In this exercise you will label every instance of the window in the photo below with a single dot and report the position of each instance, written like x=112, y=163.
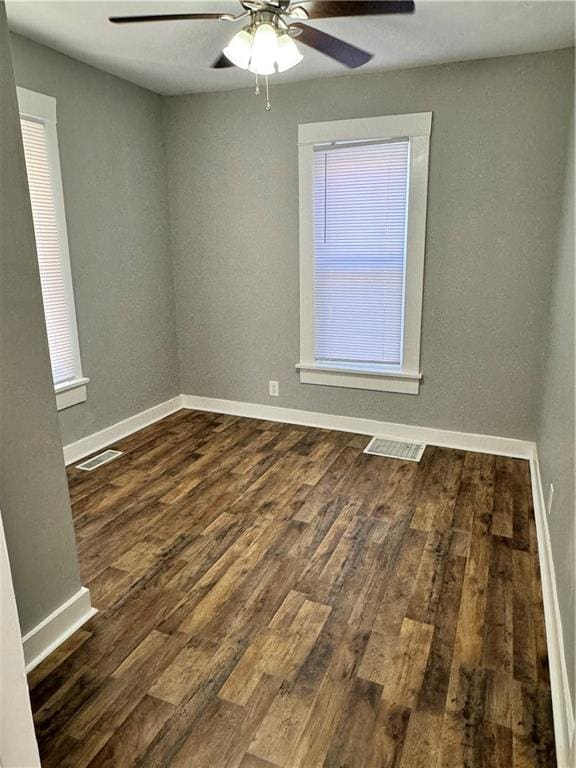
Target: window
x=38, y=124
x=363, y=188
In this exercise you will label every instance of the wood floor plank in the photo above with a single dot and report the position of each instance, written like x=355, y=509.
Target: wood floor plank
x=470, y=629
x=178, y=680
x=497, y=745
x=434, y=689
x=428, y=583
x=129, y=742
x=463, y=731
x=403, y=684
x=498, y=706
x=525, y=665
x=57, y=657
x=439, y=491
x=422, y=742
x=389, y=583
x=314, y=743
x=352, y=742
x=277, y=736
x=503, y=514
x=498, y=634
x=522, y=506
x=278, y=651
x=250, y=761
x=532, y=727
x=388, y=736
x=271, y=597
x=228, y=747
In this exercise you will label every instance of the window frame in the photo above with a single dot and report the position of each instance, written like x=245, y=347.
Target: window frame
x=406, y=377
x=42, y=108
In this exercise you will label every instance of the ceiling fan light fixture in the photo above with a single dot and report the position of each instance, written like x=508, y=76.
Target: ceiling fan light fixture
x=262, y=68
x=239, y=49
x=264, y=50
x=288, y=54
x=299, y=12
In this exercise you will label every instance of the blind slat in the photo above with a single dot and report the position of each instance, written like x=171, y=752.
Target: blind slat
x=360, y=211
x=49, y=250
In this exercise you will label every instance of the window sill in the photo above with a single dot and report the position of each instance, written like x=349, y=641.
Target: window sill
x=380, y=381
x=70, y=393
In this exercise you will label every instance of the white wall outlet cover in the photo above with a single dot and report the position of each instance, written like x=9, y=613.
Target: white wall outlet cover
x=273, y=388
x=550, y=498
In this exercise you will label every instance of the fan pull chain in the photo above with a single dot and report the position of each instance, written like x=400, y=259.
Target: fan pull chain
x=268, y=105
x=257, y=89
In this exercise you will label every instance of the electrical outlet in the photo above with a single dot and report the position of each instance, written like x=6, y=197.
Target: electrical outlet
x=550, y=498
x=273, y=388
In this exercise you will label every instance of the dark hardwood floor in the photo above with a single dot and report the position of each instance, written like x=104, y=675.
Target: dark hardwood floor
x=271, y=596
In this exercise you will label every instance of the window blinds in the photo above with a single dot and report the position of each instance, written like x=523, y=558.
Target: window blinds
x=360, y=212
x=49, y=250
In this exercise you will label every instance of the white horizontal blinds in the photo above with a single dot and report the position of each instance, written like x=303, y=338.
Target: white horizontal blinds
x=360, y=210
x=48, y=247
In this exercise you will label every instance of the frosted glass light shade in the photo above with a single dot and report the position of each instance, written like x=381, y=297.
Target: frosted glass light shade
x=264, y=50
x=288, y=54
x=239, y=49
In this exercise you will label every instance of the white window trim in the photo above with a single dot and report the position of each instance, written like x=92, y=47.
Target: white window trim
x=40, y=107
x=416, y=127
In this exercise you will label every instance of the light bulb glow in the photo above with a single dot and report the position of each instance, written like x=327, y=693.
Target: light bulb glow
x=288, y=54
x=239, y=49
x=264, y=50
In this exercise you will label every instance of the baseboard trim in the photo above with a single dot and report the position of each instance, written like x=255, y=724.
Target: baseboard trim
x=501, y=446
x=561, y=698
x=57, y=627
x=81, y=448
x=466, y=441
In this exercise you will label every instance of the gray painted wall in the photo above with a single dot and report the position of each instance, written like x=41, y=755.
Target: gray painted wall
x=496, y=163
x=33, y=492
x=556, y=428
x=114, y=177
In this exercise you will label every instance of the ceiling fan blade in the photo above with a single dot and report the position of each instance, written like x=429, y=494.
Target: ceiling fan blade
x=332, y=8
x=331, y=46
x=165, y=17
x=222, y=62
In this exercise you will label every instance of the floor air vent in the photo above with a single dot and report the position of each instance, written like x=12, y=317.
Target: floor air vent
x=97, y=461
x=393, y=449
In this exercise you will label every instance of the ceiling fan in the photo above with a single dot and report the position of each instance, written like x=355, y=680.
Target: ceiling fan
x=266, y=44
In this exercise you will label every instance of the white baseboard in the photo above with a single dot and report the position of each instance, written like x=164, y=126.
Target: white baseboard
x=75, y=451
x=561, y=698
x=502, y=446
x=57, y=627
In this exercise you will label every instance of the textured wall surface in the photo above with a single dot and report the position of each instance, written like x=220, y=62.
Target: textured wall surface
x=496, y=163
x=556, y=427
x=34, y=499
x=114, y=178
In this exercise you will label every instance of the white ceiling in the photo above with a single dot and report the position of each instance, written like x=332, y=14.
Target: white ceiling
x=175, y=57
